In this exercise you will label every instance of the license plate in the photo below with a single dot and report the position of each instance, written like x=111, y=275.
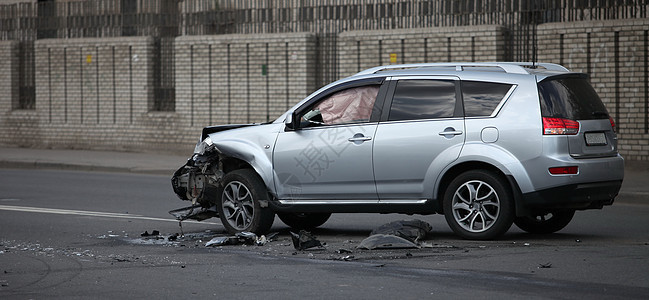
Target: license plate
x=595, y=139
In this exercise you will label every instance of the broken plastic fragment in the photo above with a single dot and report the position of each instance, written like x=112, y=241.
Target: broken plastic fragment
x=153, y=233
x=222, y=240
x=305, y=240
x=173, y=237
x=386, y=241
x=412, y=230
x=545, y=266
x=194, y=212
x=260, y=241
x=247, y=238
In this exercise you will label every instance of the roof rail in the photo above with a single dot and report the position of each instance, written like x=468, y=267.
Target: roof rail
x=536, y=65
x=508, y=67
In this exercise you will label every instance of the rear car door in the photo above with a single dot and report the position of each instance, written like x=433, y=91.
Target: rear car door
x=420, y=133
x=329, y=157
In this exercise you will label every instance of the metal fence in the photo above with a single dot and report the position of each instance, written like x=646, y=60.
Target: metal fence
x=166, y=19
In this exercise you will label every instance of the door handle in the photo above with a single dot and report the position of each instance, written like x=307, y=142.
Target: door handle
x=450, y=131
x=360, y=139
x=457, y=132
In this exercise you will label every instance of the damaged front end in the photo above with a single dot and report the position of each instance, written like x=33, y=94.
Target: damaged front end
x=197, y=181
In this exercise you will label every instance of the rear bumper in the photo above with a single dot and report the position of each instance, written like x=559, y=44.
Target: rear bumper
x=580, y=196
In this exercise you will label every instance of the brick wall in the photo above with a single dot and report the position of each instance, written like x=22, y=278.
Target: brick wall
x=359, y=50
x=90, y=94
x=614, y=53
x=241, y=78
x=8, y=75
x=16, y=126
x=98, y=93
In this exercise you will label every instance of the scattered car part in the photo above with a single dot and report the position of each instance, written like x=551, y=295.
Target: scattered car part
x=412, y=230
x=241, y=238
x=194, y=212
x=304, y=240
x=386, y=241
x=153, y=233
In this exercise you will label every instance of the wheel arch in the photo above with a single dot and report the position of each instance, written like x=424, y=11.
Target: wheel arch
x=462, y=167
x=240, y=154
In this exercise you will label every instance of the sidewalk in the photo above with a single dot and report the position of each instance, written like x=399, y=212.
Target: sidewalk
x=635, y=189
x=86, y=160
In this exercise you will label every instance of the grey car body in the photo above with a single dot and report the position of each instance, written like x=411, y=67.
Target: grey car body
x=486, y=144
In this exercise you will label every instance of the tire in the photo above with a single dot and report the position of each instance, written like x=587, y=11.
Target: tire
x=478, y=205
x=238, y=203
x=546, y=223
x=304, y=220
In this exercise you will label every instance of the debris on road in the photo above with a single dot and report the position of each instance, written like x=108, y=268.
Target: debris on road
x=402, y=234
x=386, y=241
x=305, y=240
x=153, y=233
x=194, y=212
x=241, y=238
x=412, y=230
x=347, y=258
x=221, y=240
x=545, y=266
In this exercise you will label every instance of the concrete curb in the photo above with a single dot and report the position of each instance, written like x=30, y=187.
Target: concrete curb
x=72, y=167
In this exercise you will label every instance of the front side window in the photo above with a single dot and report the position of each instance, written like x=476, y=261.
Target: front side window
x=423, y=99
x=353, y=105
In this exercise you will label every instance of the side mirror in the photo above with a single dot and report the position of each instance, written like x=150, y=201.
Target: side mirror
x=292, y=122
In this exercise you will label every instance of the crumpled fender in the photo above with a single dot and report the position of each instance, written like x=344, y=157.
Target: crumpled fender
x=253, y=144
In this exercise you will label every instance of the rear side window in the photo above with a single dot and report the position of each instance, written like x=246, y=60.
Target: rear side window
x=423, y=99
x=570, y=98
x=482, y=98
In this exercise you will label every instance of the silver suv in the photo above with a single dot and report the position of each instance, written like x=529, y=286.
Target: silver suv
x=485, y=144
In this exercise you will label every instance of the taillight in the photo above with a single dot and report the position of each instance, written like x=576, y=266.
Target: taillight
x=560, y=126
x=564, y=170
x=612, y=123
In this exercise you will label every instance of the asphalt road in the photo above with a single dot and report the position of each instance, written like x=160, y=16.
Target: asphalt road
x=66, y=234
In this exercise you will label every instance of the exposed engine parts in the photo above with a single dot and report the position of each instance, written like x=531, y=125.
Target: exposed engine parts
x=200, y=173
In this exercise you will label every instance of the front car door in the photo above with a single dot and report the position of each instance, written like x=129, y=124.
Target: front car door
x=329, y=156
x=420, y=133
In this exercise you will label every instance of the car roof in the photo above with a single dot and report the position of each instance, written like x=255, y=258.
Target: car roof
x=464, y=70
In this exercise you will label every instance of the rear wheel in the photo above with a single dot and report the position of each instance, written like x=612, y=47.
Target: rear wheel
x=478, y=205
x=304, y=220
x=545, y=223
x=239, y=206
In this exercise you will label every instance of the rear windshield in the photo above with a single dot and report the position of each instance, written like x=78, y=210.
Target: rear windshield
x=570, y=98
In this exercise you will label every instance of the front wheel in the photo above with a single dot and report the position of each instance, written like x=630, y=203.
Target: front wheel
x=238, y=203
x=478, y=205
x=545, y=223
